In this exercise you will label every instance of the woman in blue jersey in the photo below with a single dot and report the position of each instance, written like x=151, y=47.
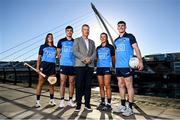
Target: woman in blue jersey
x=46, y=63
x=105, y=58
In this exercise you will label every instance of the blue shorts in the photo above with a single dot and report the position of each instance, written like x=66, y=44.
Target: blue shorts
x=103, y=71
x=124, y=72
x=67, y=70
x=48, y=68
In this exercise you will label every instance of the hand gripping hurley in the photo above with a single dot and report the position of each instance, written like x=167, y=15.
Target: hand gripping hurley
x=51, y=80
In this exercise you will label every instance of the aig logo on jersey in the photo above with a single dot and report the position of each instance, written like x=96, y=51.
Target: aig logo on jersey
x=121, y=44
x=50, y=52
x=120, y=47
x=67, y=49
x=103, y=53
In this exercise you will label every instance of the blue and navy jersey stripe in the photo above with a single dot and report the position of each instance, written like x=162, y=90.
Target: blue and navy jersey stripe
x=124, y=50
x=48, y=53
x=67, y=57
x=104, y=55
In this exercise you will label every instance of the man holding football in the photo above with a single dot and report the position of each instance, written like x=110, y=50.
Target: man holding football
x=125, y=45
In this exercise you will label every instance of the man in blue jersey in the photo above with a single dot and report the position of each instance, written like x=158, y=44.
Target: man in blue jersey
x=125, y=45
x=67, y=60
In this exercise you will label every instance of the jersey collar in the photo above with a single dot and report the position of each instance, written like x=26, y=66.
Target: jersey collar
x=69, y=40
x=104, y=46
x=124, y=35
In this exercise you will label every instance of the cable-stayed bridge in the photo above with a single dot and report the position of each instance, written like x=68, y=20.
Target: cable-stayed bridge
x=28, y=49
x=17, y=101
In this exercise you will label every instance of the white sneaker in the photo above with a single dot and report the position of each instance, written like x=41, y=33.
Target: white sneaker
x=37, y=105
x=120, y=109
x=77, y=109
x=71, y=103
x=128, y=112
x=88, y=108
x=62, y=105
x=51, y=102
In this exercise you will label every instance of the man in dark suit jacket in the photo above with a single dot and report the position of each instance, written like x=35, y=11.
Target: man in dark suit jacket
x=85, y=54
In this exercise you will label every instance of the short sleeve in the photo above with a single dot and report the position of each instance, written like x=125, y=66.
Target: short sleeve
x=132, y=39
x=54, y=46
x=41, y=50
x=112, y=51
x=59, y=45
x=115, y=42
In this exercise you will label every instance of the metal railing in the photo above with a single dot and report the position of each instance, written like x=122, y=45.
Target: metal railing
x=18, y=75
x=165, y=85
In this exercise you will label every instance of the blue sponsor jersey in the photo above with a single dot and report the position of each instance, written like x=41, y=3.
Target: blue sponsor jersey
x=124, y=50
x=48, y=53
x=67, y=57
x=104, y=55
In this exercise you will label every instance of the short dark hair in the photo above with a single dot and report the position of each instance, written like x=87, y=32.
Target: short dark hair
x=85, y=25
x=69, y=27
x=122, y=22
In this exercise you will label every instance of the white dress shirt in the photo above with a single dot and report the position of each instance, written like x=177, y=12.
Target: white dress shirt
x=87, y=44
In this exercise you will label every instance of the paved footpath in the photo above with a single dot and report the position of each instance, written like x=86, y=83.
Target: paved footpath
x=17, y=102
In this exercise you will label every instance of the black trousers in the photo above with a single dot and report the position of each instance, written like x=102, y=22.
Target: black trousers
x=83, y=84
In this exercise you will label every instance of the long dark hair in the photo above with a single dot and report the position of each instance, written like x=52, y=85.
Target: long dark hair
x=46, y=40
x=107, y=42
